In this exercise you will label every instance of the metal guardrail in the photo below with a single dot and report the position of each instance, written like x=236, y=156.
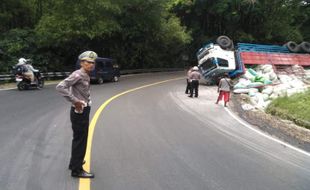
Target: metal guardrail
x=60, y=75
x=50, y=75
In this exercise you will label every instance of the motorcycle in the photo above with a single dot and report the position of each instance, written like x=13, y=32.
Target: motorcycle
x=24, y=83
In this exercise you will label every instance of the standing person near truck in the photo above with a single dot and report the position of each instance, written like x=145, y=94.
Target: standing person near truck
x=76, y=89
x=224, y=87
x=194, y=78
x=188, y=84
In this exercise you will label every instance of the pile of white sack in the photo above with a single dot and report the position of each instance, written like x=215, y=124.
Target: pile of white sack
x=262, y=85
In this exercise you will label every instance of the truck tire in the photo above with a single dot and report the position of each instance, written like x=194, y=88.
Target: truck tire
x=232, y=47
x=305, y=47
x=292, y=46
x=224, y=42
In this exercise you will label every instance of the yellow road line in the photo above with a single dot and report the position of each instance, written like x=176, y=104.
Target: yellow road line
x=85, y=183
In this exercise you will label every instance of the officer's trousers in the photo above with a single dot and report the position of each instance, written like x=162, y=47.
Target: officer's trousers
x=188, y=86
x=80, y=124
x=194, y=87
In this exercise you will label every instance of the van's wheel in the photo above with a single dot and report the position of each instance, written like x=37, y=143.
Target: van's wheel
x=115, y=79
x=100, y=80
x=224, y=42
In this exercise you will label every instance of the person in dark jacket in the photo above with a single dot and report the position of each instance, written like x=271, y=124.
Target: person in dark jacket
x=76, y=89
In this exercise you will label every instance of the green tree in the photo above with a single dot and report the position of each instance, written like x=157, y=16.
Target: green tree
x=15, y=14
x=15, y=44
x=127, y=30
x=150, y=36
x=141, y=33
x=304, y=20
x=260, y=21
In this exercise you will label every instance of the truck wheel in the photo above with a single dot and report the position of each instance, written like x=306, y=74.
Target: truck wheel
x=292, y=46
x=232, y=47
x=100, y=80
x=305, y=47
x=224, y=42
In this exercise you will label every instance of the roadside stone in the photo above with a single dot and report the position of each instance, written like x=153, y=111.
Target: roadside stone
x=247, y=107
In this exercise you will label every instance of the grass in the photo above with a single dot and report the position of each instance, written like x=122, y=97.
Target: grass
x=295, y=108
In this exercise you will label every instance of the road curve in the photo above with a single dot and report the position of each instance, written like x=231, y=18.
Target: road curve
x=152, y=138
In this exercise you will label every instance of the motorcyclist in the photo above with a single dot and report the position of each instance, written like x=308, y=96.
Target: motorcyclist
x=35, y=72
x=29, y=71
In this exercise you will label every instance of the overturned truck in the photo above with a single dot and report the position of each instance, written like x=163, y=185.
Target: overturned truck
x=215, y=59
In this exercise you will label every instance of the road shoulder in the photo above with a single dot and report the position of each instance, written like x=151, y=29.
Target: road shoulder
x=274, y=126
x=12, y=85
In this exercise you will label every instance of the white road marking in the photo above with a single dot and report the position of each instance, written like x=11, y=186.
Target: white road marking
x=265, y=135
x=7, y=89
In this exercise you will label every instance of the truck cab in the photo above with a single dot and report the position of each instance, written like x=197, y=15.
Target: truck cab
x=213, y=61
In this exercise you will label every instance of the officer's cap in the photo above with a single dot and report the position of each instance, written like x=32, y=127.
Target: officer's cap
x=89, y=56
x=195, y=68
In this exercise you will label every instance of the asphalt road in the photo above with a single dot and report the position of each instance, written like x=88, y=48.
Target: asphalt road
x=155, y=138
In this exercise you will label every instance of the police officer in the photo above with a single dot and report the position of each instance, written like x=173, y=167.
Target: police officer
x=194, y=78
x=188, y=84
x=76, y=89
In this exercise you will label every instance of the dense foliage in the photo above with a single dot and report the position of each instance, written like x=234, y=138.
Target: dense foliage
x=140, y=33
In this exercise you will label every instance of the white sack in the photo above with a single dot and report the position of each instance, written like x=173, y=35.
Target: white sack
x=267, y=68
x=241, y=91
x=268, y=90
